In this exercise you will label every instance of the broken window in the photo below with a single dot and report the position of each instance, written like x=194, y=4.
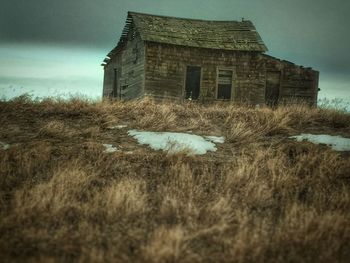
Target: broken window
x=224, y=84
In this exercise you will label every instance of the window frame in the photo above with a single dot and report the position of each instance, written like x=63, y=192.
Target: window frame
x=218, y=69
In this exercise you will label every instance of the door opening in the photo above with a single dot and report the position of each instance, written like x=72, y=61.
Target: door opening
x=272, y=92
x=193, y=82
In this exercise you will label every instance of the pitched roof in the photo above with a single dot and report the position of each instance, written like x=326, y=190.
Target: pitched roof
x=223, y=35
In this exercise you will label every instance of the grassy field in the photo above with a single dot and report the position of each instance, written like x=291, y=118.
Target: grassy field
x=260, y=197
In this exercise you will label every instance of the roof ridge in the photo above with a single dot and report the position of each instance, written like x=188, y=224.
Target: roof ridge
x=210, y=34
x=181, y=18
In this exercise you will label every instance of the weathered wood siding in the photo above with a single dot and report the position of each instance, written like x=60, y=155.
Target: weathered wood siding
x=160, y=70
x=165, y=74
x=109, y=86
x=129, y=64
x=297, y=83
x=166, y=67
x=133, y=61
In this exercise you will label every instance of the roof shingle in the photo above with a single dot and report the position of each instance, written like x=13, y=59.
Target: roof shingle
x=222, y=35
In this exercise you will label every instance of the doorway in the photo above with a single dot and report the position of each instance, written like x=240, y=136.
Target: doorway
x=193, y=82
x=272, y=92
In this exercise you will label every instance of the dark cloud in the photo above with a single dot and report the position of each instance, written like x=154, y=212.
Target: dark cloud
x=308, y=32
x=82, y=22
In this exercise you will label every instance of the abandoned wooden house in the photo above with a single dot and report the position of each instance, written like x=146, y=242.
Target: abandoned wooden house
x=177, y=58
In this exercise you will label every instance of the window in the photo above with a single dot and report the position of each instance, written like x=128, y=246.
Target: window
x=115, y=83
x=224, y=84
x=136, y=53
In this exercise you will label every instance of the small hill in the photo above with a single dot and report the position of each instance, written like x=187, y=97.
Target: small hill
x=74, y=186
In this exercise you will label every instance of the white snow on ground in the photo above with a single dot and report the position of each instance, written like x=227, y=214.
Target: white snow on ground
x=4, y=146
x=120, y=126
x=109, y=148
x=174, y=142
x=337, y=143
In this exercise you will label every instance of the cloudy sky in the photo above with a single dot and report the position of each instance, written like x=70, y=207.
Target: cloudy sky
x=56, y=47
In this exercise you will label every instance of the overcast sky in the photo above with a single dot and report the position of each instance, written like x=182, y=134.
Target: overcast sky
x=61, y=41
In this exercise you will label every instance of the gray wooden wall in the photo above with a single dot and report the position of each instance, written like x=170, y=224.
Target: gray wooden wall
x=297, y=82
x=146, y=68
x=129, y=64
x=166, y=68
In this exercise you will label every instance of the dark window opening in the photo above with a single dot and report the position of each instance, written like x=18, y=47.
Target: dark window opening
x=136, y=53
x=193, y=82
x=224, y=85
x=115, y=84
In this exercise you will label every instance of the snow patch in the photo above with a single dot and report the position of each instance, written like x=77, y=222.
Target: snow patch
x=337, y=143
x=174, y=142
x=4, y=146
x=109, y=148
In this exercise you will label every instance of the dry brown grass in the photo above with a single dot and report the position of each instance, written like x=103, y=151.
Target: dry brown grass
x=259, y=198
